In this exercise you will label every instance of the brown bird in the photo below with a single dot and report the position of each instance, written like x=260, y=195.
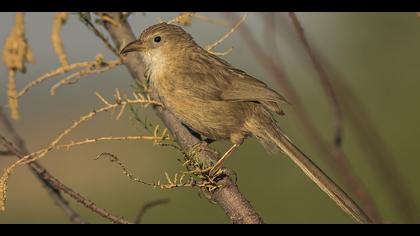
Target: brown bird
x=218, y=101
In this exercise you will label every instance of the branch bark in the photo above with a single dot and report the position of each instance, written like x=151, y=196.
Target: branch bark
x=229, y=198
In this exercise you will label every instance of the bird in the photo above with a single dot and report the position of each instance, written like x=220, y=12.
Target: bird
x=220, y=102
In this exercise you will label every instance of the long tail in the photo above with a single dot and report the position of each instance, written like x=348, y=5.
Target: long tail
x=273, y=135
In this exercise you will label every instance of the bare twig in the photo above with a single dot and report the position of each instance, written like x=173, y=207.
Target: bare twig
x=56, y=184
x=225, y=36
x=185, y=18
x=38, y=170
x=86, y=21
x=98, y=65
x=41, y=153
x=60, y=18
x=368, y=136
x=147, y=206
x=112, y=138
x=236, y=206
x=379, y=155
x=335, y=157
x=323, y=78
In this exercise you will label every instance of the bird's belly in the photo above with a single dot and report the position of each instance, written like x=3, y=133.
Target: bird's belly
x=213, y=119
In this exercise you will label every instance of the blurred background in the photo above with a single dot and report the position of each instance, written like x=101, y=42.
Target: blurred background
x=375, y=54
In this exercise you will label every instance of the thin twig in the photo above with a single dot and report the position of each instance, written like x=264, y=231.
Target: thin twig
x=75, y=195
x=183, y=18
x=225, y=36
x=89, y=67
x=368, y=136
x=335, y=157
x=99, y=66
x=147, y=206
x=323, y=78
x=38, y=170
x=112, y=138
x=379, y=155
x=98, y=33
x=213, y=21
x=179, y=179
x=41, y=153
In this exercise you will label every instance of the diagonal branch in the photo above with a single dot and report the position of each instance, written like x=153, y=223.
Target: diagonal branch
x=56, y=184
x=323, y=78
x=335, y=156
x=147, y=206
x=235, y=205
x=39, y=171
x=368, y=137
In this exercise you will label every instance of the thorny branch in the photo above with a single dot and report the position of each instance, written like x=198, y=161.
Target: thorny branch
x=37, y=169
x=56, y=184
x=41, y=153
x=99, y=65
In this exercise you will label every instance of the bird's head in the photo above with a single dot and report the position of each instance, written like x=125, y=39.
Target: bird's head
x=158, y=41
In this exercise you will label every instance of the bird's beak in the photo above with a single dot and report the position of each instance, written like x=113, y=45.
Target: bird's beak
x=134, y=46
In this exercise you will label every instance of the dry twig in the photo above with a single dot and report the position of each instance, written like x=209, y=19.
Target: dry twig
x=60, y=18
x=335, y=157
x=96, y=66
x=41, y=153
x=147, y=206
x=225, y=36
x=323, y=78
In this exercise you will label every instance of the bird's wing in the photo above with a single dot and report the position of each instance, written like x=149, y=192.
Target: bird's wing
x=226, y=83
x=247, y=88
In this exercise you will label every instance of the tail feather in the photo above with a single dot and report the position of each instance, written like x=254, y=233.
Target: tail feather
x=272, y=137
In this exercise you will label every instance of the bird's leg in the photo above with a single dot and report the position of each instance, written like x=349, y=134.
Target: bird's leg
x=225, y=156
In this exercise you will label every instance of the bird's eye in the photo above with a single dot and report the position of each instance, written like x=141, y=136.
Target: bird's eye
x=157, y=39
